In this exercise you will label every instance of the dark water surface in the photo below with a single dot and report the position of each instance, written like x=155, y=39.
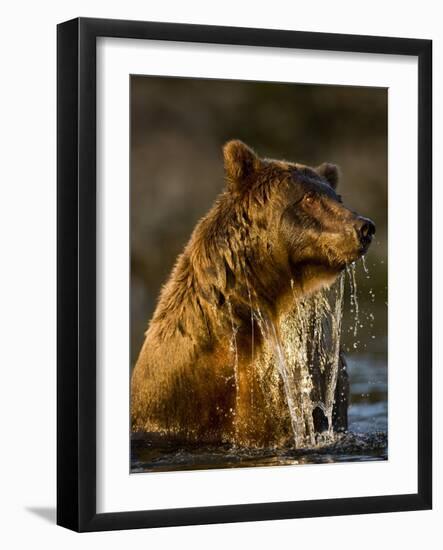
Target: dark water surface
x=366, y=439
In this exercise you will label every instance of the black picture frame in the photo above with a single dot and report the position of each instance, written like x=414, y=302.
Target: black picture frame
x=76, y=267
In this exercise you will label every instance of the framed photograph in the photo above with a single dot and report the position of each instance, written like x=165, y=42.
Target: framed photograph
x=244, y=274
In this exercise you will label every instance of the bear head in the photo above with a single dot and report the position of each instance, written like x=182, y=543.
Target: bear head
x=310, y=233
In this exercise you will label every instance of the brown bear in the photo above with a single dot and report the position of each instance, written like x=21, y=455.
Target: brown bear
x=276, y=234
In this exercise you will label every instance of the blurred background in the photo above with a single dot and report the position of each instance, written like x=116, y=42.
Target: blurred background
x=178, y=127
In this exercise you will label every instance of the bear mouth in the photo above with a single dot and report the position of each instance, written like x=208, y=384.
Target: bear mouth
x=364, y=247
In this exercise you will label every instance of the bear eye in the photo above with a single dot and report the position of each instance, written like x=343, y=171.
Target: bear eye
x=309, y=198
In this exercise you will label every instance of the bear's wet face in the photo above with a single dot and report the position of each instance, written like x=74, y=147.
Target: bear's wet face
x=317, y=226
x=308, y=225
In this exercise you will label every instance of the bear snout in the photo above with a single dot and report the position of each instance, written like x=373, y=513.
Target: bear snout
x=365, y=230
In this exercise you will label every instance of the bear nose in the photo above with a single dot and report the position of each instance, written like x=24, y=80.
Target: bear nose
x=365, y=228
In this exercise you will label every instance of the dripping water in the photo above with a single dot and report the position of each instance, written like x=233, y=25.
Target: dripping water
x=234, y=350
x=311, y=342
x=277, y=358
x=288, y=388
x=336, y=321
x=365, y=267
x=353, y=297
x=304, y=347
x=251, y=313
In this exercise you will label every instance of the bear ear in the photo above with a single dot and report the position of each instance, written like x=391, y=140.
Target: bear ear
x=240, y=162
x=330, y=172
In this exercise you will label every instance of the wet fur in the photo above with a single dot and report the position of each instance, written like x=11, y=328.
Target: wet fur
x=240, y=258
